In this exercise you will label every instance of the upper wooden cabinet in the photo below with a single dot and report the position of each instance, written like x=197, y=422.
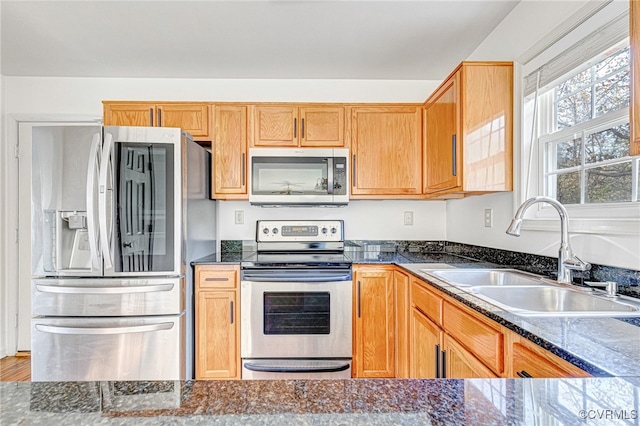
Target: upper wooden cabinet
x=294, y=125
x=386, y=150
x=192, y=117
x=634, y=33
x=229, y=149
x=468, y=132
x=374, y=322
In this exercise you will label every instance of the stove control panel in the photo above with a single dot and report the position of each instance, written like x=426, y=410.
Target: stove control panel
x=299, y=230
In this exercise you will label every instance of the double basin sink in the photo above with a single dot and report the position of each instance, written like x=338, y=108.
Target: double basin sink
x=531, y=295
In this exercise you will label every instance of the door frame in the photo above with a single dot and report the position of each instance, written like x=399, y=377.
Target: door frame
x=10, y=232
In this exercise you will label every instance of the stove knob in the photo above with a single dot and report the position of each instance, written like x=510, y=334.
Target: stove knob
x=324, y=230
x=274, y=230
x=334, y=230
x=265, y=231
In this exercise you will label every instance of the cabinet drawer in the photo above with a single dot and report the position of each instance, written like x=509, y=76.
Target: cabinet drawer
x=483, y=341
x=534, y=363
x=221, y=278
x=428, y=303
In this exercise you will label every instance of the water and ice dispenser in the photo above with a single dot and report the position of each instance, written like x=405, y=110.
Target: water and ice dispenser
x=66, y=245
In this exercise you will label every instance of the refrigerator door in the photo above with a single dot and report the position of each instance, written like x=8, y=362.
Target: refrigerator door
x=103, y=297
x=140, y=201
x=78, y=349
x=64, y=180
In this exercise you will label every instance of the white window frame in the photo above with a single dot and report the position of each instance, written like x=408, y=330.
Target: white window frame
x=597, y=218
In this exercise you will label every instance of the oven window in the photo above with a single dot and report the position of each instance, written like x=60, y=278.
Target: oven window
x=296, y=313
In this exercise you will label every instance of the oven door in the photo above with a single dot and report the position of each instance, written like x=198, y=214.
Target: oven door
x=302, y=319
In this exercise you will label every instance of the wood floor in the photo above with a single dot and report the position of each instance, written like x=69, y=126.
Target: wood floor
x=15, y=369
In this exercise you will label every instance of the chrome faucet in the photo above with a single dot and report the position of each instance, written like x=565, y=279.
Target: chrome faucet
x=567, y=261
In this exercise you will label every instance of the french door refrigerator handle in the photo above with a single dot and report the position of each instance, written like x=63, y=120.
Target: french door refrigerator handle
x=104, y=330
x=104, y=290
x=92, y=171
x=102, y=201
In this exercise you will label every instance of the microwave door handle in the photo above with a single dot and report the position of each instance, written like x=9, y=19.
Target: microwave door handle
x=102, y=201
x=92, y=173
x=330, y=175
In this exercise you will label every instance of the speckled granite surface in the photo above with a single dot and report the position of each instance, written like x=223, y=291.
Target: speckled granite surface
x=324, y=402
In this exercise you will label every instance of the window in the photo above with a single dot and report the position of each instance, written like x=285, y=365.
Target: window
x=585, y=151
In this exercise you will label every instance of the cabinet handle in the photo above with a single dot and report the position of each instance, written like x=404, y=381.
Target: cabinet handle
x=437, y=361
x=159, y=117
x=231, y=310
x=302, y=128
x=295, y=127
x=444, y=365
x=523, y=374
x=353, y=173
x=151, y=116
x=358, y=299
x=454, y=155
x=243, y=167
x=216, y=279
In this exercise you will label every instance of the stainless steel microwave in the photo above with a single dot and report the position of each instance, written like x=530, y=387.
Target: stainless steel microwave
x=299, y=176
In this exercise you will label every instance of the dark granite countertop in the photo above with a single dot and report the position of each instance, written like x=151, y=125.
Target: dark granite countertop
x=322, y=402
x=601, y=346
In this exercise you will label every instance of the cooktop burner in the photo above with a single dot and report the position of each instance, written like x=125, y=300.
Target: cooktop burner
x=297, y=260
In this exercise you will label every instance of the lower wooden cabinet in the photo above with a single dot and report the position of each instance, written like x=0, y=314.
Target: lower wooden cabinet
x=402, y=323
x=529, y=360
x=217, y=328
x=459, y=363
x=426, y=344
x=374, y=322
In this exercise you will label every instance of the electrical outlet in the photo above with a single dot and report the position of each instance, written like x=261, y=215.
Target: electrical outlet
x=408, y=218
x=488, y=218
x=239, y=216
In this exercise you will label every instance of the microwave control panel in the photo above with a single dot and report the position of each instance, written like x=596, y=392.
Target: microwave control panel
x=340, y=175
x=300, y=230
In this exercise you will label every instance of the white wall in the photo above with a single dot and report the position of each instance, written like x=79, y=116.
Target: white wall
x=527, y=28
x=363, y=219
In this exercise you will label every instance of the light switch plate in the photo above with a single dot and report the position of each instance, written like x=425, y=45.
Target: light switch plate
x=239, y=217
x=408, y=218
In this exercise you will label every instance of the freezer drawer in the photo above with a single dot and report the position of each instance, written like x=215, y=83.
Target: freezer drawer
x=101, y=297
x=78, y=349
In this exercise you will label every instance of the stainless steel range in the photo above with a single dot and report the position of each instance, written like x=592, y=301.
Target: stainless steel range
x=296, y=300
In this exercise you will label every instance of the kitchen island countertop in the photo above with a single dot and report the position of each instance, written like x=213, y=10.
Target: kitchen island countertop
x=320, y=402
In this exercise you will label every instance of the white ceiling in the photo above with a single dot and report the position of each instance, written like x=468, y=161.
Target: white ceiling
x=398, y=40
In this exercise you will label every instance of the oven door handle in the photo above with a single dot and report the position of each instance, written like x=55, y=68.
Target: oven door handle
x=325, y=367
x=295, y=277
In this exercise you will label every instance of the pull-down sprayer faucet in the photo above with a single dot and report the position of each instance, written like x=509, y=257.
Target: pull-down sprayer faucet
x=567, y=261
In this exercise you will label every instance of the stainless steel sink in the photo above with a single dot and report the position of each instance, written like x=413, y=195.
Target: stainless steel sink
x=553, y=301
x=485, y=277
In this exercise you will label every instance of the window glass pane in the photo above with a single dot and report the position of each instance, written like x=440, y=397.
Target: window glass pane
x=607, y=144
x=612, y=94
x=575, y=83
x=574, y=109
x=612, y=63
x=568, y=188
x=609, y=184
x=568, y=153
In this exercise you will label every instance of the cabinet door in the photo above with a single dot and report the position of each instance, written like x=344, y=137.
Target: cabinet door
x=402, y=315
x=321, y=126
x=461, y=364
x=229, y=150
x=529, y=361
x=192, y=118
x=441, y=133
x=634, y=33
x=426, y=342
x=374, y=323
x=129, y=114
x=217, y=343
x=275, y=126
x=386, y=146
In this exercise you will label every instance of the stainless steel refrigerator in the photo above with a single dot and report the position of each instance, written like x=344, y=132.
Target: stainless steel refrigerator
x=117, y=215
